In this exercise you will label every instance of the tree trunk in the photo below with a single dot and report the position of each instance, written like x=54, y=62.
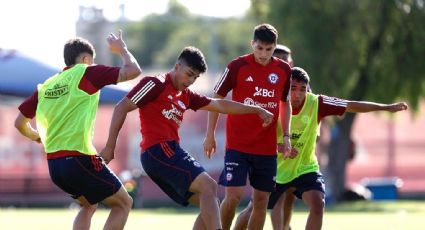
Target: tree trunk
x=341, y=135
x=338, y=155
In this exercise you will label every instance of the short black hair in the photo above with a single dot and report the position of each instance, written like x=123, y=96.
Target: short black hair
x=265, y=33
x=193, y=58
x=74, y=48
x=299, y=74
x=282, y=49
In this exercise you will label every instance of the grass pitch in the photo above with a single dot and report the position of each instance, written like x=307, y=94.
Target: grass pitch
x=406, y=215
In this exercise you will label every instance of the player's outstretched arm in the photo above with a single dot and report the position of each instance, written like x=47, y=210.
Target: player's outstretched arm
x=366, y=106
x=118, y=118
x=233, y=107
x=23, y=125
x=130, y=69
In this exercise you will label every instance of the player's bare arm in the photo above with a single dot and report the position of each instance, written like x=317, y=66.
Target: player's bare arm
x=130, y=68
x=233, y=107
x=285, y=116
x=209, y=141
x=366, y=106
x=24, y=126
x=118, y=117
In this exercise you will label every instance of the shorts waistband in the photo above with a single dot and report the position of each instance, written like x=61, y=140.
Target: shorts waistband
x=64, y=153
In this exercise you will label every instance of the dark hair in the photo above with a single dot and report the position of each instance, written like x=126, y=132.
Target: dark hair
x=282, y=49
x=193, y=58
x=299, y=74
x=74, y=48
x=265, y=33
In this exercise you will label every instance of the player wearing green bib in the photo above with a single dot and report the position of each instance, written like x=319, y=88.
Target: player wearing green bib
x=299, y=170
x=64, y=107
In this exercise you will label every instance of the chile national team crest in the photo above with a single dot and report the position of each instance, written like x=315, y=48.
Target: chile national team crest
x=181, y=104
x=273, y=78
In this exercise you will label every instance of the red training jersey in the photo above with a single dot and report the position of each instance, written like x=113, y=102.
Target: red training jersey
x=161, y=108
x=327, y=106
x=254, y=84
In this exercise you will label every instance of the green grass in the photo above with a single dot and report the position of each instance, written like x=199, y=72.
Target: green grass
x=404, y=215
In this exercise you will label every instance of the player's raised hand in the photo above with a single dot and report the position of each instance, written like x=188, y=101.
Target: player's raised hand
x=116, y=43
x=396, y=107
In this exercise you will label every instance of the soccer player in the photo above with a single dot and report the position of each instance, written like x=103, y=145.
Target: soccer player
x=258, y=79
x=282, y=213
x=162, y=101
x=283, y=52
x=64, y=107
x=301, y=168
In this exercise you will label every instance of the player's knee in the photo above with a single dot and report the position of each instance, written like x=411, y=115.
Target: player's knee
x=248, y=209
x=233, y=199
x=128, y=202
x=89, y=208
x=317, y=207
x=260, y=200
x=122, y=201
x=209, y=187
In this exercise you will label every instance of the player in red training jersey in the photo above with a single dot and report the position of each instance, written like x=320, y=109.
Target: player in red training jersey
x=254, y=79
x=301, y=171
x=162, y=101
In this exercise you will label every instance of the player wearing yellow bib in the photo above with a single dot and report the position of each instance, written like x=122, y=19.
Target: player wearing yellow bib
x=300, y=169
x=64, y=107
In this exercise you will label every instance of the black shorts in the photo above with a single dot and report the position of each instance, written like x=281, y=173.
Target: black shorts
x=172, y=169
x=238, y=165
x=303, y=183
x=86, y=176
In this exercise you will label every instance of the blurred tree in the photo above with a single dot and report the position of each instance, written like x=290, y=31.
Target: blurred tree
x=259, y=10
x=148, y=37
x=158, y=39
x=359, y=50
x=220, y=39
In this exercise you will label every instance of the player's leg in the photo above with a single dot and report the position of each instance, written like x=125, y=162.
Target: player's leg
x=233, y=177
x=83, y=219
x=205, y=194
x=184, y=180
x=94, y=182
x=282, y=212
x=120, y=204
x=243, y=218
x=259, y=209
x=315, y=200
x=199, y=223
x=276, y=214
x=275, y=203
x=262, y=176
x=311, y=187
x=102, y=185
x=288, y=206
x=232, y=198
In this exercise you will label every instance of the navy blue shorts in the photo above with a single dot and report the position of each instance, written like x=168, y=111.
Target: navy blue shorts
x=172, y=169
x=303, y=183
x=86, y=176
x=260, y=169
